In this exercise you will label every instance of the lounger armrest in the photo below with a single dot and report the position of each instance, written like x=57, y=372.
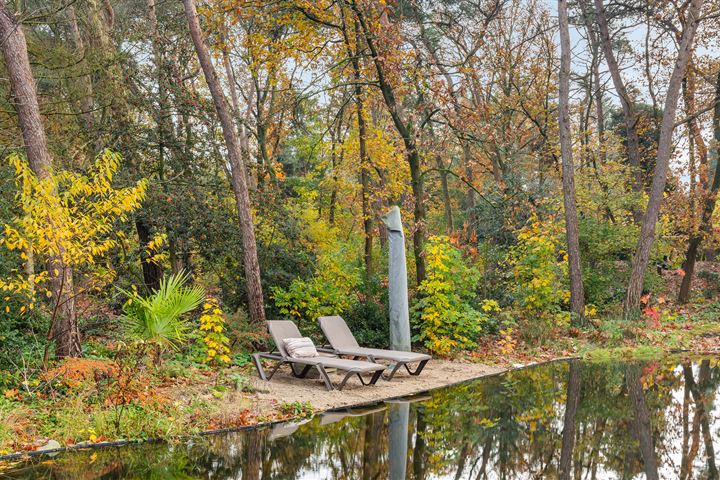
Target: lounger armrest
x=269, y=355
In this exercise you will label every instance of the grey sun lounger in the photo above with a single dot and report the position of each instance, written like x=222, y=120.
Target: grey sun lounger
x=282, y=329
x=343, y=342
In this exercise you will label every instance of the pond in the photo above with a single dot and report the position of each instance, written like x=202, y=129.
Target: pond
x=655, y=419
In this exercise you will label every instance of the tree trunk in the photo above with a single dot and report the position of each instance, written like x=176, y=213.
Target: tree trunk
x=699, y=391
x=237, y=168
x=641, y=258
x=335, y=139
x=86, y=102
x=372, y=448
x=407, y=132
x=568, y=433
x=471, y=194
x=641, y=420
x=708, y=207
x=577, y=294
x=152, y=272
x=418, y=189
x=633, y=141
x=684, y=465
x=418, y=455
x=64, y=328
x=465, y=147
x=253, y=446
x=235, y=99
x=364, y=160
x=164, y=127
x=447, y=202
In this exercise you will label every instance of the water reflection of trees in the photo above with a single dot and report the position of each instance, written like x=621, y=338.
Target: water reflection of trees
x=624, y=423
x=568, y=421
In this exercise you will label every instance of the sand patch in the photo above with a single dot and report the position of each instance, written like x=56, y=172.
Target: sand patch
x=438, y=373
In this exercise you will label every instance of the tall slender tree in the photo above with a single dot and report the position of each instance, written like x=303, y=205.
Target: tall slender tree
x=627, y=104
x=237, y=167
x=577, y=293
x=641, y=258
x=708, y=206
x=406, y=127
x=64, y=330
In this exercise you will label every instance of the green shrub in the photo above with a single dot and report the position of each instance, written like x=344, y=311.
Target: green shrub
x=538, y=275
x=369, y=323
x=444, y=313
x=606, y=250
x=328, y=292
x=712, y=283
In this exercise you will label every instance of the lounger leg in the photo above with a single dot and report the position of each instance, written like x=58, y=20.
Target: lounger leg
x=347, y=377
x=258, y=366
x=325, y=377
x=303, y=373
x=376, y=376
x=418, y=369
x=394, y=371
x=275, y=369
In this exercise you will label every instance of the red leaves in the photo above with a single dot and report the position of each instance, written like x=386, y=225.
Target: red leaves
x=652, y=316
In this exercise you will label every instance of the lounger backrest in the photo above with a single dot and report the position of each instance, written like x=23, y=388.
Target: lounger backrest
x=337, y=332
x=280, y=330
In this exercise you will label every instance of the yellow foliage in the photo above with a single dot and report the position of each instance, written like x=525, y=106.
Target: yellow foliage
x=68, y=216
x=212, y=325
x=154, y=249
x=445, y=314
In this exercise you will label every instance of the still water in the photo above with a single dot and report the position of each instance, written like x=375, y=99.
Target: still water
x=656, y=419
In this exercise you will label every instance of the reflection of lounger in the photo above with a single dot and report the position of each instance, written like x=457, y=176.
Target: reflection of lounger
x=285, y=429
x=282, y=329
x=335, y=416
x=343, y=342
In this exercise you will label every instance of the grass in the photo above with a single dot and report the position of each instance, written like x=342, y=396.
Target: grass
x=11, y=421
x=175, y=399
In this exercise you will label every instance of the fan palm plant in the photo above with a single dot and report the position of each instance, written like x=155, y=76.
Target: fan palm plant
x=158, y=318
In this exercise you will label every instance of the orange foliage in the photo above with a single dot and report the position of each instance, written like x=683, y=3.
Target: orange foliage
x=74, y=372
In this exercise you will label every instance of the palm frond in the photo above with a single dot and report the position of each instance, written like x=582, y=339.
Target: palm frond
x=159, y=317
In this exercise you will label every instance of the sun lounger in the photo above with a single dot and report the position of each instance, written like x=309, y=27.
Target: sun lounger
x=343, y=342
x=282, y=329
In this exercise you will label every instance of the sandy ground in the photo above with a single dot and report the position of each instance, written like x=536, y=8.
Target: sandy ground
x=285, y=388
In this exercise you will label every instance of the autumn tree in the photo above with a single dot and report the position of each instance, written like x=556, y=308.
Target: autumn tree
x=650, y=217
x=65, y=331
x=577, y=294
x=237, y=167
x=709, y=184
